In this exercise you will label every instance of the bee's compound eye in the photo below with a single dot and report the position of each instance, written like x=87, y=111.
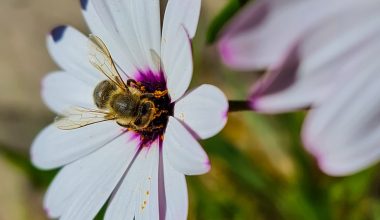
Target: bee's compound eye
x=144, y=115
x=146, y=108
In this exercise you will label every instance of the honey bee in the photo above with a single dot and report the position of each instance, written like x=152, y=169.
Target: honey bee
x=126, y=103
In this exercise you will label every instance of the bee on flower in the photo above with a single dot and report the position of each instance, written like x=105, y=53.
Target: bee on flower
x=127, y=131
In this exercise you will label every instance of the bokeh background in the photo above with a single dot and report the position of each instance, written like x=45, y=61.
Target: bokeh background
x=259, y=167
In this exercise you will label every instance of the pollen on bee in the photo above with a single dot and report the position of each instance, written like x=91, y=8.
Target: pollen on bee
x=159, y=94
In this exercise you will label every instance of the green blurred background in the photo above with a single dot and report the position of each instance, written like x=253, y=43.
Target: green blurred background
x=259, y=168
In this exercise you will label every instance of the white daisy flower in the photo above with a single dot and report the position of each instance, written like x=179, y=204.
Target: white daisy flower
x=128, y=140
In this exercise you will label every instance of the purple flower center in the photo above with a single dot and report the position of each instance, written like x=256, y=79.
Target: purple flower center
x=155, y=84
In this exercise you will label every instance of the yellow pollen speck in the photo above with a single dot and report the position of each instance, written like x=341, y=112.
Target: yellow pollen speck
x=182, y=116
x=147, y=193
x=159, y=94
x=143, y=206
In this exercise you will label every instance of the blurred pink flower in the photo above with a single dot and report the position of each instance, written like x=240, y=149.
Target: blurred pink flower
x=320, y=54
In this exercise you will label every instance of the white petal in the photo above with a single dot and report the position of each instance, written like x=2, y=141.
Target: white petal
x=54, y=147
x=102, y=25
x=181, y=13
x=120, y=24
x=137, y=196
x=177, y=62
x=69, y=49
x=81, y=188
x=343, y=132
x=60, y=91
x=146, y=19
x=262, y=34
x=204, y=110
x=328, y=54
x=183, y=151
x=175, y=193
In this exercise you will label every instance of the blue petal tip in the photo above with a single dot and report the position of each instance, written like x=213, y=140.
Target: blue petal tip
x=83, y=4
x=57, y=33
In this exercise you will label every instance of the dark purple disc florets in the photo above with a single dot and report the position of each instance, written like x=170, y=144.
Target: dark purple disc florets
x=155, y=83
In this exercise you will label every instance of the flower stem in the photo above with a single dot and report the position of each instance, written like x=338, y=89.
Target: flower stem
x=238, y=106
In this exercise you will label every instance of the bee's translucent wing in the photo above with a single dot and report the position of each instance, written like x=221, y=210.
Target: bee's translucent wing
x=78, y=117
x=101, y=59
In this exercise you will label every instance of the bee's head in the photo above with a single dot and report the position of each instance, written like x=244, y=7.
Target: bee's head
x=145, y=113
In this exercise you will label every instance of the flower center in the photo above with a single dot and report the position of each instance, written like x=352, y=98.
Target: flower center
x=151, y=119
x=142, y=105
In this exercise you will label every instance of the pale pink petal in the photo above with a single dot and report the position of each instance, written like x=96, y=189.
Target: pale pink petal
x=203, y=110
x=60, y=91
x=54, y=147
x=177, y=62
x=181, y=13
x=176, y=198
x=81, y=188
x=137, y=195
x=343, y=132
x=183, y=151
x=69, y=48
x=278, y=90
x=263, y=33
x=319, y=62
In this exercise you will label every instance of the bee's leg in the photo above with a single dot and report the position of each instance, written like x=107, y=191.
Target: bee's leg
x=156, y=94
x=156, y=127
x=159, y=127
x=147, y=96
x=131, y=82
x=127, y=126
x=159, y=113
x=133, y=127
